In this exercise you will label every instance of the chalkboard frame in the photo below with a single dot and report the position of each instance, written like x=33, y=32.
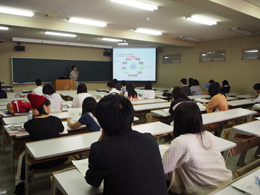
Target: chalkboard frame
x=90, y=71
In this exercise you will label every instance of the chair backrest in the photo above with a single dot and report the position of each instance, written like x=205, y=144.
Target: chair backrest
x=255, y=142
x=247, y=168
x=240, y=147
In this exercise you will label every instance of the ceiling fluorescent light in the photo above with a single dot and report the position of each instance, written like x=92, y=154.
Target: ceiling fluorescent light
x=188, y=38
x=202, y=20
x=86, y=22
x=137, y=4
x=112, y=40
x=16, y=39
x=26, y=40
x=60, y=34
x=239, y=30
x=3, y=28
x=147, y=31
x=18, y=12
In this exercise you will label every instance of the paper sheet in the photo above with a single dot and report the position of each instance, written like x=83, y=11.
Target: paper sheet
x=74, y=114
x=81, y=165
x=248, y=184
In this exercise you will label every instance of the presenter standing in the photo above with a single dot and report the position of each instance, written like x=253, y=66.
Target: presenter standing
x=74, y=74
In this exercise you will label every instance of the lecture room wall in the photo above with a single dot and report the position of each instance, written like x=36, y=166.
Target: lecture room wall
x=242, y=74
x=50, y=52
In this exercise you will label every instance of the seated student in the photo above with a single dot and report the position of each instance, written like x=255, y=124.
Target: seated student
x=123, y=89
x=148, y=91
x=116, y=84
x=2, y=92
x=185, y=88
x=218, y=101
x=111, y=87
x=195, y=88
x=225, y=87
x=82, y=93
x=130, y=93
x=88, y=116
x=179, y=96
x=256, y=97
x=190, y=82
x=40, y=127
x=55, y=98
x=38, y=89
x=207, y=86
x=193, y=157
x=129, y=162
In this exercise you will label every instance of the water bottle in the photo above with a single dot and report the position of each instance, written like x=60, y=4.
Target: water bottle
x=30, y=115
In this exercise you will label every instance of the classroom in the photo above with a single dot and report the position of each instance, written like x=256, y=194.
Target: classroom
x=235, y=34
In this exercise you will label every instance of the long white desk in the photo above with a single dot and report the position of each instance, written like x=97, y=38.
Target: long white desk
x=146, y=101
x=148, y=107
x=46, y=149
x=247, y=180
x=216, y=117
x=237, y=103
x=202, y=100
x=251, y=128
x=72, y=182
x=192, y=97
x=245, y=96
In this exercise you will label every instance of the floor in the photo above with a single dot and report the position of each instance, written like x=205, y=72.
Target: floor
x=41, y=183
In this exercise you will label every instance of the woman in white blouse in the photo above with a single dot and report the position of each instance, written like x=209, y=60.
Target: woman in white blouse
x=193, y=157
x=82, y=93
x=148, y=91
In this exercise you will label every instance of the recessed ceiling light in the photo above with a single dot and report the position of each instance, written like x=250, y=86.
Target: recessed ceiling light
x=60, y=34
x=3, y=28
x=86, y=22
x=18, y=12
x=148, y=31
x=137, y=4
x=188, y=38
x=112, y=40
x=202, y=20
x=242, y=31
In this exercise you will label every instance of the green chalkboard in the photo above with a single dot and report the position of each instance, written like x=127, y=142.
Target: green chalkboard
x=27, y=70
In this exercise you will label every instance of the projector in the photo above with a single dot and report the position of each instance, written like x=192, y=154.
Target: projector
x=122, y=43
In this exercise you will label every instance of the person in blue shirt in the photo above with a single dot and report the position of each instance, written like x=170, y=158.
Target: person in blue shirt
x=88, y=116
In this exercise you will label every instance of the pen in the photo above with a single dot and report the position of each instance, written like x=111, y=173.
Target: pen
x=257, y=180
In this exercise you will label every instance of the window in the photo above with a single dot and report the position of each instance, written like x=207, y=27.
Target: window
x=169, y=59
x=251, y=54
x=210, y=56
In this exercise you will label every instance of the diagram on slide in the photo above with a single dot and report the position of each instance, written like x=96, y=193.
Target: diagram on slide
x=134, y=66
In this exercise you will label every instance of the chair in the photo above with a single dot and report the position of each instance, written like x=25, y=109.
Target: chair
x=247, y=168
x=238, y=137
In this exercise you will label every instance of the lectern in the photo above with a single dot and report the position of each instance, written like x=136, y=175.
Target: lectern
x=64, y=84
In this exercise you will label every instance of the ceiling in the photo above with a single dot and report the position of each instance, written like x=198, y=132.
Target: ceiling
x=121, y=20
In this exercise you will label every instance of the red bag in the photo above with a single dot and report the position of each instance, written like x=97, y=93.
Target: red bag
x=20, y=106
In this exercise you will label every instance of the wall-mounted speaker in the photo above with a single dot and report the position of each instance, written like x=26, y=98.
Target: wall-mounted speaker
x=107, y=53
x=19, y=48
